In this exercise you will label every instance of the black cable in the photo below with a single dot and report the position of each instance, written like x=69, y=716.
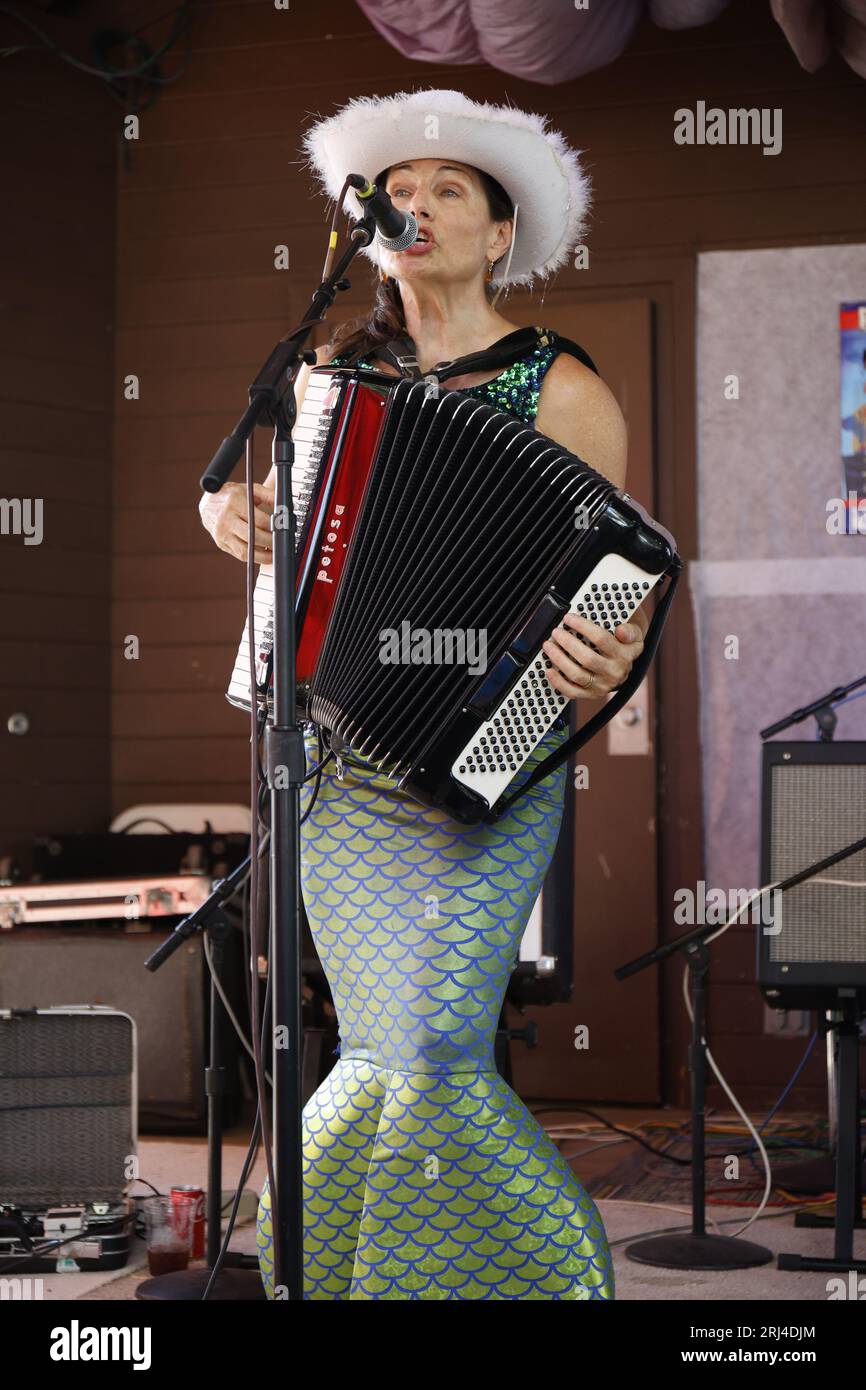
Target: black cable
x=246, y=1042
x=148, y=820
x=638, y=1139
x=684, y=1128
x=112, y=74
x=245, y=937
x=256, y=1133
x=256, y=795
x=725, y=1221
x=155, y=1190
x=323, y=760
x=48, y=1247
x=608, y=1124
x=317, y=773
x=263, y=806
x=252, y=1150
x=262, y=721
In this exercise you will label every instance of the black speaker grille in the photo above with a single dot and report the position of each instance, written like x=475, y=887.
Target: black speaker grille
x=815, y=811
x=65, y=1107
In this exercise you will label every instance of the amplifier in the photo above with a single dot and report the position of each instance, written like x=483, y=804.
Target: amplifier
x=94, y=958
x=85, y=856
x=813, y=804
x=68, y=1138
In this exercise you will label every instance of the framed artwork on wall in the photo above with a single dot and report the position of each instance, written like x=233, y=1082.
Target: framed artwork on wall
x=852, y=411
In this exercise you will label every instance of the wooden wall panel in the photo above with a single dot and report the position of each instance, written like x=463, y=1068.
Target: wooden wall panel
x=217, y=180
x=57, y=286
x=214, y=182
x=57, y=292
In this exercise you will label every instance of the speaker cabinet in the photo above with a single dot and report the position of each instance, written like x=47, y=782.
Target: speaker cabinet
x=43, y=967
x=813, y=804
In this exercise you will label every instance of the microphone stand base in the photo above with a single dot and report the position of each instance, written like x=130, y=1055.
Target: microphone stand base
x=689, y=1251
x=188, y=1286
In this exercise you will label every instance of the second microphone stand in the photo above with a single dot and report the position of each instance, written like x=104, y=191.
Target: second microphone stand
x=697, y=1249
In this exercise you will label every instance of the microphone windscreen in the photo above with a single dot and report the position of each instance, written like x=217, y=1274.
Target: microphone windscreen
x=406, y=237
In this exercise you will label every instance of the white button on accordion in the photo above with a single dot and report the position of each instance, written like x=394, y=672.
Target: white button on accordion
x=428, y=524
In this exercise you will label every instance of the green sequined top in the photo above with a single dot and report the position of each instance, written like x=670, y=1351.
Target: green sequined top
x=515, y=391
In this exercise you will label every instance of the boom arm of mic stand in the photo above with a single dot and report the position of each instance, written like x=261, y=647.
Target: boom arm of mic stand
x=224, y=889
x=275, y=381
x=798, y=715
x=698, y=934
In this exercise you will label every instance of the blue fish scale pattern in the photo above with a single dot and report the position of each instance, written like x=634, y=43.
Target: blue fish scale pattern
x=419, y=929
x=425, y=1177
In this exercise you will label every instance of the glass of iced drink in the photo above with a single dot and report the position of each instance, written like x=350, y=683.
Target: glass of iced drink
x=169, y=1232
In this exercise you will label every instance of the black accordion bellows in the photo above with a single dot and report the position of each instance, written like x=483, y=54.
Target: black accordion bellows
x=467, y=516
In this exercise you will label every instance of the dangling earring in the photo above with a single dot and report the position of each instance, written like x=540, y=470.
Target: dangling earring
x=490, y=267
x=383, y=277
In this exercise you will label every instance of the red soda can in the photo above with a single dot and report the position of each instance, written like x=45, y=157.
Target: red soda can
x=193, y=1197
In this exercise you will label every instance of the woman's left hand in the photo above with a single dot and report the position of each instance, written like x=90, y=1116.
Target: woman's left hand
x=578, y=672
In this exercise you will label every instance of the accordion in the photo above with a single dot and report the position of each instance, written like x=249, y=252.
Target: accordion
x=439, y=541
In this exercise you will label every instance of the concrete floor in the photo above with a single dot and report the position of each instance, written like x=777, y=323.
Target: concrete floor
x=166, y=1161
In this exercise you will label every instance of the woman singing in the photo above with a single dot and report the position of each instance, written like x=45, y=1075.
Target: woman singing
x=425, y=1177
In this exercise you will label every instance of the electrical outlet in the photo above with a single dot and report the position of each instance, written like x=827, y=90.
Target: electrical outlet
x=787, y=1023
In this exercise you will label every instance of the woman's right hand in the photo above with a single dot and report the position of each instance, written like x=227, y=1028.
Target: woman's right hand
x=224, y=515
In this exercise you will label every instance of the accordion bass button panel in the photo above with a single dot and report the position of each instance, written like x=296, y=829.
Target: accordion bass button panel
x=614, y=589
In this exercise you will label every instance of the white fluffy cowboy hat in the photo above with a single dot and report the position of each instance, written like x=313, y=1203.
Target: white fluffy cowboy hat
x=536, y=167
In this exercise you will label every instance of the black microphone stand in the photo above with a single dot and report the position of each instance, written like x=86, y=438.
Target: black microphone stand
x=238, y=1279
x=272, y=402
x=696, y=1249
x=820, y=1174
x=822, y=708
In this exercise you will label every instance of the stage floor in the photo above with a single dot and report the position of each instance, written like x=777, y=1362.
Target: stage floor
x=166, y=1161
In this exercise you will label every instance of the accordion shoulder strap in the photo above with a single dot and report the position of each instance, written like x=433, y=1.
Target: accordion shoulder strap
x=509, y=350
x=401, y=353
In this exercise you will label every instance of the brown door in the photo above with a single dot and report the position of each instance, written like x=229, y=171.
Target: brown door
x=615, y=894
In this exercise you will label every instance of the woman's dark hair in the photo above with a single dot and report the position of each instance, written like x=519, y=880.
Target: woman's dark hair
x=358, y=337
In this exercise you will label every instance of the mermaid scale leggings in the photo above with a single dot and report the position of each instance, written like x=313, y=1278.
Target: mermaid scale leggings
x=425, y=1177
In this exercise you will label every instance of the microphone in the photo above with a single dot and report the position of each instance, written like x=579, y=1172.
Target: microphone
x=395, y=230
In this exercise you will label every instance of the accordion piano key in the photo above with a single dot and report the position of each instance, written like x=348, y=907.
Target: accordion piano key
x=310, y=438
x=238, y=692
x=318, y=438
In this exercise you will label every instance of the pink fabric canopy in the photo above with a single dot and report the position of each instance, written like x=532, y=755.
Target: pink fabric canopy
x=551, y=41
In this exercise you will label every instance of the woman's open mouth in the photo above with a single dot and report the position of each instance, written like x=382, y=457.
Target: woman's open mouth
x=420, y=247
